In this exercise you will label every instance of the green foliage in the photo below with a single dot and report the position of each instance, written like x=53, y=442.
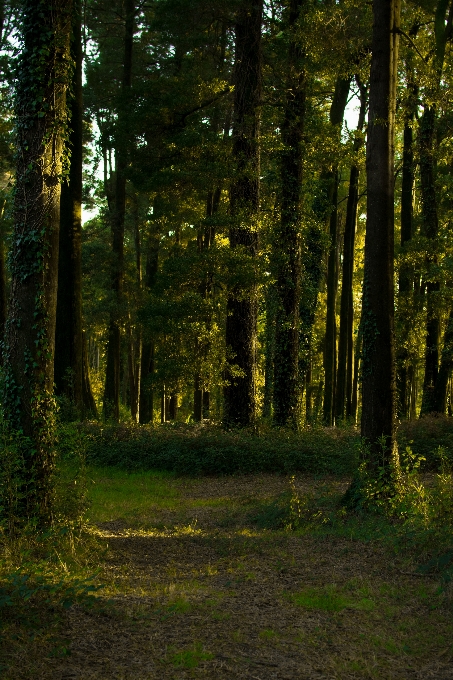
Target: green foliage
x=207, y=450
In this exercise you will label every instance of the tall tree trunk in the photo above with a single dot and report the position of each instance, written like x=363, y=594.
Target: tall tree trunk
x=269, y=349
x=41, y=114
x=239, y=394
x=405, y=279
x=440, y=392
x=330, y=349
x=146, y=401
x=287, y=246
x=3, y=304
x=343, y=394
x=443, y=23
x=111, y=403
x=430, y=231
x=378, y=352
x=69, y=369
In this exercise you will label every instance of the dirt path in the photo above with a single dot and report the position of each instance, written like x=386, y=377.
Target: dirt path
x=214, y=597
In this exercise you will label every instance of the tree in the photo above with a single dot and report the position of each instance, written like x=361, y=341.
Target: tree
x=43, y=77
x=378, y=381
x=71, y=372
x=112, y=377
x=287, y=239
x=239, y=394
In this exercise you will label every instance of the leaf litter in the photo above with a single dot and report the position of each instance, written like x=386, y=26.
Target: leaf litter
x=204, y=590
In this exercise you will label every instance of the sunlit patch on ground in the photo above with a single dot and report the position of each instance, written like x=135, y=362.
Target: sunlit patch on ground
x=196, y=587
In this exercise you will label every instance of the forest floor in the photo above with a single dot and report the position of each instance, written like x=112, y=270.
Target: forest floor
x=198, y=585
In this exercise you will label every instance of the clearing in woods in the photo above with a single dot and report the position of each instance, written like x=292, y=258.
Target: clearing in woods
x=201, y=580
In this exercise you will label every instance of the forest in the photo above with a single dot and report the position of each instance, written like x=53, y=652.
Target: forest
x=226, y=322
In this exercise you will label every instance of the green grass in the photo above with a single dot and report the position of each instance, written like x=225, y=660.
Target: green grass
x=330, y=598
x=118, y=495
x=190, y=658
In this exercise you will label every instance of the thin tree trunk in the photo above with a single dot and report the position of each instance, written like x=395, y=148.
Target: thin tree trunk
x=440, y=392
x=3, y=296
x=343, y=394
x=378, y=352
x=405, y=279
x=42, y=79
x=239, y=393
x=330, y=349
x=111, y=392
x=146, y=401
x=430, y=229
x=269, y=349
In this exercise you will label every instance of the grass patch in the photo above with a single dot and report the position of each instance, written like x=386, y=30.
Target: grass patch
x=117, y=495
x=190, y=658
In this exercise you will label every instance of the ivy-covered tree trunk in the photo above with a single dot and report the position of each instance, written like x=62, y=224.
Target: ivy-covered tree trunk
x=68, y=340
x=378, y=352
x=43, y=76
x=239, y=394
x=287, y=237
x=3, y=295
x=111, y=401
x=330, y=349
x=344, y=382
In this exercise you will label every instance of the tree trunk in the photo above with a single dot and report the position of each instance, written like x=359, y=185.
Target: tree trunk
x=287, y=247
x=343, y=394
x=440, y=392
x=430, y=231
x=111, y=404
x=269, y=349
x=3, y=296
x=330, y=349
x=405, y=279
x=146, y=401
x=69, y=369
x=29, y=407
x=239, y=393
x=378, y=353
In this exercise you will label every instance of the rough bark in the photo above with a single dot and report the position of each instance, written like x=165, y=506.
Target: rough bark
x=42, y=80
x=287, y=246
x=378, y=353
x=239, y=393
x=111, y=401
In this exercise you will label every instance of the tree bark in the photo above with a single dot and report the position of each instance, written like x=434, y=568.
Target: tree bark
x=287, y=246
x=440, y=392
x=41, y=114
x=239, y=393
x=343, y=394
x=146, y=401
x=405, y=283
x=70, y=372
x=330, y=349
x=378, y=352
x=111, y=403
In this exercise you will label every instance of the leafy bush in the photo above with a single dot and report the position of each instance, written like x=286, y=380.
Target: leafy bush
x=425, y=435
x=202, y=450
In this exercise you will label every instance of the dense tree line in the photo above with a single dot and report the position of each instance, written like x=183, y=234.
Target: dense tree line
x=269, y=185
